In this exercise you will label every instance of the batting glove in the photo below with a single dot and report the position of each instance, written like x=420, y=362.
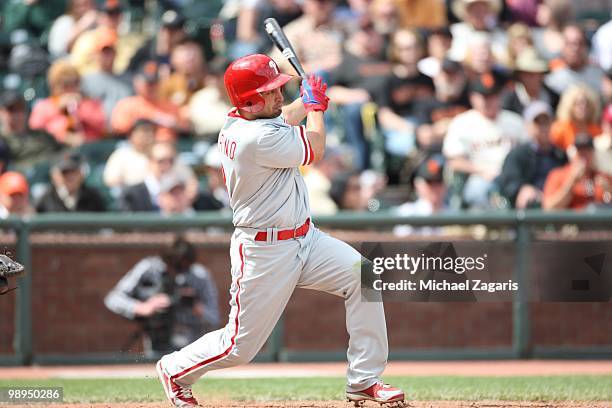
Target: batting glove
x=313, y=94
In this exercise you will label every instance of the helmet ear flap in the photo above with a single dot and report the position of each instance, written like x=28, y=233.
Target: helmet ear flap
x=252, y=103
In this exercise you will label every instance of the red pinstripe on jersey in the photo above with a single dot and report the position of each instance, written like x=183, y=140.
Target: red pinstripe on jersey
x=308, y=153
x=236, y=326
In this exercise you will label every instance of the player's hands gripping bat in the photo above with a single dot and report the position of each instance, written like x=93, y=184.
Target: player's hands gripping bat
x=313, y=95
x=278, y=37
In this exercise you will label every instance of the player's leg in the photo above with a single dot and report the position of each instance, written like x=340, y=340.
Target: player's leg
x=333, y=266
x=263, y=279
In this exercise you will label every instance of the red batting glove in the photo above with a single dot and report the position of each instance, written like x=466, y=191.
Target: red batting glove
x=313, y=95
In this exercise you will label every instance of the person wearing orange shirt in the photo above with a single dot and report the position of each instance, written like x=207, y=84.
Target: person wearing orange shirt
x=146, y=104
x=578, y=184
x=67, y=114
x=578, y=112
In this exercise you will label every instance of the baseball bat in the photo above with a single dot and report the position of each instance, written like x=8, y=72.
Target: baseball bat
x=278, y=37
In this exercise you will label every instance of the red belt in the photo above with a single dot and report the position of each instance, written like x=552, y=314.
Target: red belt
x=286, y=234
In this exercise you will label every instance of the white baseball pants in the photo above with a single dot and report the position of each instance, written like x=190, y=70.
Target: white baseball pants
x=264, y=275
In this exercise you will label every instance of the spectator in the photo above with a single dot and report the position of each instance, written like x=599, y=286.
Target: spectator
x=69, y=116
x=428, y=184
x=84, y=50
x=527, y=165
x=436, y=113
x=208, y=107
x=35, y=17
x=578, y=184
x=479, y=58
x=159, y=49
x=188, y=76
x=519, y=39
x=477, y=17
x=250, y=37
x=607, y=87
x=173, y=198
x=172, y=296
x=529, y=71
x=68, y=191
x=578, y=112
x=128, y=164
x=404, y=92
x=14, y=195
x=385, y=15
x=573, y=67
x=101, y=83
x=147, y=105
x=316, y=26
x=423, y=14
x=318, y=179
x=80, y=17
x=355, y=81
x=215, y=197
x=552, y=16
x=144, y=196
x=478, y=140
x=438, y=43
x=5, y=156
x=346, y=192
x=603, y=143
x=27, y=147
x=602, y=46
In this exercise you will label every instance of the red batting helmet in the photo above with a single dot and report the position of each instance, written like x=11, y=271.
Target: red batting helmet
x=246, y=77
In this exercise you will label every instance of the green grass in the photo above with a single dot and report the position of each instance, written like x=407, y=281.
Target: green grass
x=551, y=388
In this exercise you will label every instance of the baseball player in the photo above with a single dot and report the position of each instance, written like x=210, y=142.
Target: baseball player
x=275, y=246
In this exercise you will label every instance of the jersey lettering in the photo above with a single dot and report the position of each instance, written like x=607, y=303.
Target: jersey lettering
x=226, y=147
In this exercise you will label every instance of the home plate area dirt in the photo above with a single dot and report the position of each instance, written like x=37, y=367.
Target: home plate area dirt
x=340, y=404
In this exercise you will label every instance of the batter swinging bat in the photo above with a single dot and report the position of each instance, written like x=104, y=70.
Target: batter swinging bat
x=278, y=37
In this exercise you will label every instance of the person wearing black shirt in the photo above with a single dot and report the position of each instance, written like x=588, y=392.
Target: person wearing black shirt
x=356, y=81
x=403, y=93
x=68, y=192
x=526, y=167
x=451, y=99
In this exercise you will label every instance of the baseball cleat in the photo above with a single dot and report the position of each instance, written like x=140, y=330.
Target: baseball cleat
x=384, y=394
x=178, y=395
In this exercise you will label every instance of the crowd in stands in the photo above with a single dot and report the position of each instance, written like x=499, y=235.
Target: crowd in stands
x=115, y=105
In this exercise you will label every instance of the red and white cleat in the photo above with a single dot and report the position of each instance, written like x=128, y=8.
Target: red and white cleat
x=178, y=395
x=384, y=394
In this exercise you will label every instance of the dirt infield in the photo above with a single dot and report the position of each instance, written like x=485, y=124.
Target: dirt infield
x=262, y=370
x=340, y=404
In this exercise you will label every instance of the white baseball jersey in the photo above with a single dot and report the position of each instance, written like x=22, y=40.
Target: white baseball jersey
x=260, y=163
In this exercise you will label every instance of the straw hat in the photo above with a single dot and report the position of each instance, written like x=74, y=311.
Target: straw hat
x=530, y=61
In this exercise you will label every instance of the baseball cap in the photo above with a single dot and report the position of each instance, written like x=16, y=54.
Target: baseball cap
x=583, y=141
x=172, y=19
x=111, y=6
x=170, y=181
x=431, y=169
x=535, y=109
x=488, y=83
x=69, y=161
x=13, y=182
x=607, y=114
x=150, y=71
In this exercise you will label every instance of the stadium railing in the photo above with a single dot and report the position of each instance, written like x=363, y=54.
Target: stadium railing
x=521, y=222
